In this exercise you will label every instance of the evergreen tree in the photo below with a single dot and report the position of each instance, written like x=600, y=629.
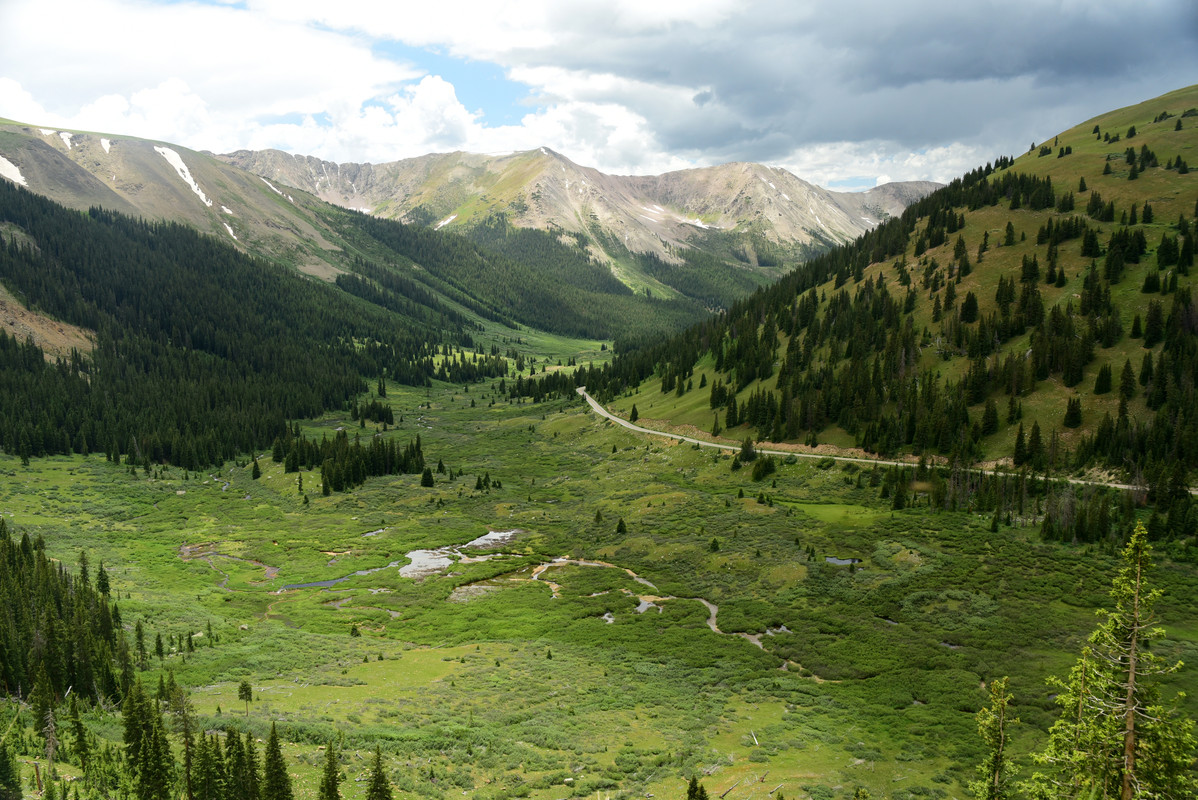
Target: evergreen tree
x=276, y=782
x=245, y=692
x=1127, y=381
x=1035, y=447
x=1020, y=454
x=380, y=787
x=996, y=769
x=10, y=775
x=251, y=788
x=79, y=738
x=1116, y=737
x=634, y=415
x=331, y=776
x=154, y=764
x=969, y=308
x=1073, y=412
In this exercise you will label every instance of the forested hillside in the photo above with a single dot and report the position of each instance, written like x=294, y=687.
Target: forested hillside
x=520, y=277
x=1038, y=312
x=201, y=352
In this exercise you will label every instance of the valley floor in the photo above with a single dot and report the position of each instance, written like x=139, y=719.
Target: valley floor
x=638, y=612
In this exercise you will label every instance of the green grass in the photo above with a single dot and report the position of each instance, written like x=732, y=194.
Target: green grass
x=860, y=689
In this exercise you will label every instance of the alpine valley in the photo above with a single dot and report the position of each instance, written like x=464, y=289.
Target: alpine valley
x=497, y=476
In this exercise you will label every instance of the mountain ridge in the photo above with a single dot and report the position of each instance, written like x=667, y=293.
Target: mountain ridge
x=544, y=189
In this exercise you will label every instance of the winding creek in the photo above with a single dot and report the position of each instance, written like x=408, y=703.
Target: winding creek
x=424, y=563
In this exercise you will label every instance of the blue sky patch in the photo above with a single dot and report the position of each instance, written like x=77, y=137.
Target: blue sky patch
x=480, y=86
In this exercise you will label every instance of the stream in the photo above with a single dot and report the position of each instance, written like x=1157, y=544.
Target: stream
x=646, y=602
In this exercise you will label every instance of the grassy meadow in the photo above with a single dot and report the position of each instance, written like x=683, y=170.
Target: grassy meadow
x=711, y=638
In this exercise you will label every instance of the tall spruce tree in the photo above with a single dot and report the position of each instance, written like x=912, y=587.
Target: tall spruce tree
x=276, y=783
x=1116, y=737
x=331, y=776
x=10, y=775
x=380, y=787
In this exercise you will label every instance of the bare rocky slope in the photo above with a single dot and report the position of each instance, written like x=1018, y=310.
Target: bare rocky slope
x=543, y=189
x=158, y=180
x=759, y=221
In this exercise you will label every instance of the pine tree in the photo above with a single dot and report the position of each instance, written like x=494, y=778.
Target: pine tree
x=252, y=786
x=1020, y=454
x=1035, y=447
x=380, y=787
x=331, y=776
x=276, y=783
x=996, y=769
x=1073, y=412
x=245, y=692
x=79, y=738
x=10, y=775
x=1127, y=381
x=634, y=415
x=154, y=764
x=1116, y=737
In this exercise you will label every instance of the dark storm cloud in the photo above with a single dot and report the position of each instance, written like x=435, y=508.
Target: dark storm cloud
x=783, y=76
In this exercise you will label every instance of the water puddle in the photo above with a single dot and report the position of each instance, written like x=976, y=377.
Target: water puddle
x=841, y=562
x=422, y=563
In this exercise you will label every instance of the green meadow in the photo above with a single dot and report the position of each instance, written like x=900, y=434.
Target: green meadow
x=712, y=637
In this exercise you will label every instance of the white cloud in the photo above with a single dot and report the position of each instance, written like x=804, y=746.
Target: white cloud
x=852, y=91
x=18, y=104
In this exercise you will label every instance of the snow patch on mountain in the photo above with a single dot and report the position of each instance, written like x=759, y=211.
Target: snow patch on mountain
x=9, y=170
x=66, y=138
x=175, y=161
x=229, y=228
x=106, y=144
x=446, y=221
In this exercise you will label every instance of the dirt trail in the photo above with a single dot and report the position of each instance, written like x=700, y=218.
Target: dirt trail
x=206, y=552
x=600, y=410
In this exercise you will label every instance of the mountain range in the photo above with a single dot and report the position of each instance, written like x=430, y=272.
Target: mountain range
x=758, y=220
x=750, y=206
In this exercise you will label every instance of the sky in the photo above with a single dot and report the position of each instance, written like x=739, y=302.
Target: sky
x=845, y=94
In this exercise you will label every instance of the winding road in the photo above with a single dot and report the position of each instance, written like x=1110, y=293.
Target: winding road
x=600, y=410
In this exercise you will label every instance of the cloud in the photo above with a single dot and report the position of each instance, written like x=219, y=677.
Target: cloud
x=18, y=104
x=846, y=91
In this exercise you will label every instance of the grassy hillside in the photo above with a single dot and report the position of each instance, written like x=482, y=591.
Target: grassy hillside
x=1018, y=287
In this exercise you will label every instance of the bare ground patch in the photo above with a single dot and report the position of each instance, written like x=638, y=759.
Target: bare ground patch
x=55, y=338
